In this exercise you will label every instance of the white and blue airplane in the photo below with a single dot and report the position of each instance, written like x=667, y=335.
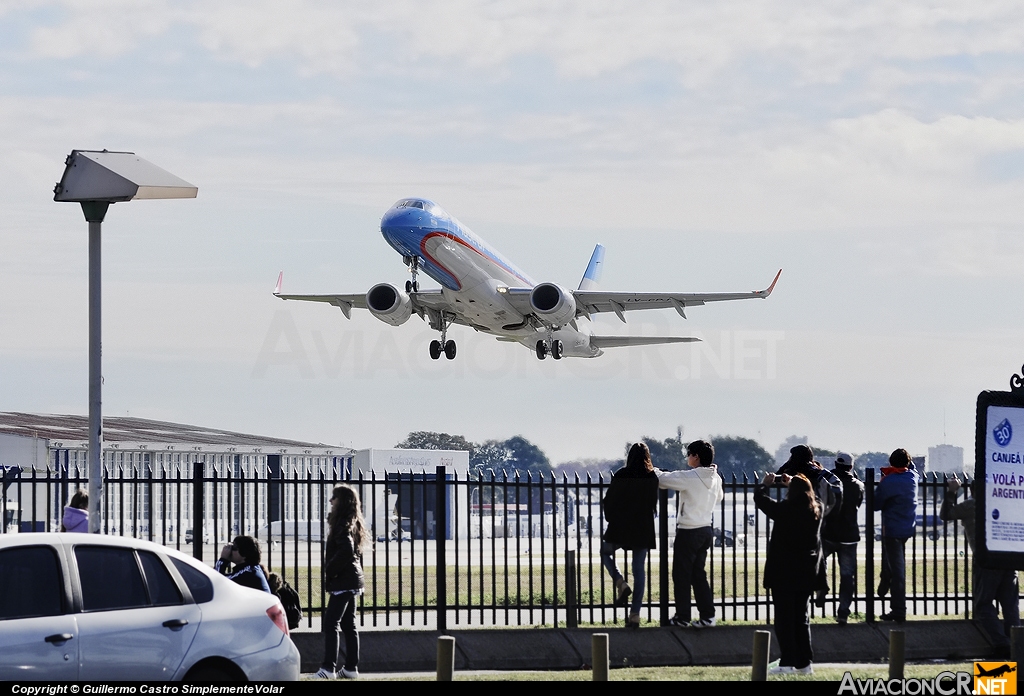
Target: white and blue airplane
x=483, y=290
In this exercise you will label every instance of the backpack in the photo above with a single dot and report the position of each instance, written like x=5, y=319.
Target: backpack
x=290, y=601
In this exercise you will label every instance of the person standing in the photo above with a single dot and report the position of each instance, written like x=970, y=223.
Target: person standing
x=343, y=580
x=841, y=533
x=989, y=585
x=244, y=553
x=629, y=507
x=896, y=497
x=698, y=491
x=793, y=566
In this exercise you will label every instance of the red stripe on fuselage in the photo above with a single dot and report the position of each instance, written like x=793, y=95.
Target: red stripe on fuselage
x=449, y=235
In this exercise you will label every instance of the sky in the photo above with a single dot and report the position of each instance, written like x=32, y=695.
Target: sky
x=873, y=151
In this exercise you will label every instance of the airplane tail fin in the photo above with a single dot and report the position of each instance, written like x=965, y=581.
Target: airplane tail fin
x=593, y=275
x=280, y=280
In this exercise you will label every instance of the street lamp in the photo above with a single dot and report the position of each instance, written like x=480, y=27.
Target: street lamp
x=96, y=179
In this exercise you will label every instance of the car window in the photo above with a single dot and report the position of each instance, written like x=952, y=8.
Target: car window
x=162, y=589
x=110, y=578
x=198, y=584
x=30, y=583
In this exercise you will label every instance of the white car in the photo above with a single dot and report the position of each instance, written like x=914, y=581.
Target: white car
x=89, y=607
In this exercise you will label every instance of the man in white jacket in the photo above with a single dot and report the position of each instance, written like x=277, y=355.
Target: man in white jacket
x=699, y=490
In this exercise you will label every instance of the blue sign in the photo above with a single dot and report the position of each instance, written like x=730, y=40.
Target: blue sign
x=1003, y=433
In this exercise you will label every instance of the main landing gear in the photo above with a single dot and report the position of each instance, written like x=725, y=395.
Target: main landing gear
x=444, y=345
x=554, y=348
x=437, y=347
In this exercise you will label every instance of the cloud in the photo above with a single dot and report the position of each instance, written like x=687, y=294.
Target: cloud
x=818, y=42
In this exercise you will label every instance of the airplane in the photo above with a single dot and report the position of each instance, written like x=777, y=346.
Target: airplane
x=483, y=290
x=995, y=671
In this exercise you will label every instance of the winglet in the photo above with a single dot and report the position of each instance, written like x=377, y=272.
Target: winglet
x=280, y=279
x=766, y=293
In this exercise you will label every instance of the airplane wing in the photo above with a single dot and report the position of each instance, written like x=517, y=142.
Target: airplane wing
x=421, y=301
x=595, y=301
x=590, y=302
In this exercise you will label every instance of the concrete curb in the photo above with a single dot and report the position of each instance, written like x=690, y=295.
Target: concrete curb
x=565, y=649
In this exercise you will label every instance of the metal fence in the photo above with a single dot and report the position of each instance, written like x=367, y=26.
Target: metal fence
x=475, y=550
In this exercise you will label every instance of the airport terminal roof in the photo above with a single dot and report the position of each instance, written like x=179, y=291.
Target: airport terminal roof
x=72, y=430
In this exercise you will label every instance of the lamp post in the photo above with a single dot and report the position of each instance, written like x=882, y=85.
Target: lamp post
x=96, y=179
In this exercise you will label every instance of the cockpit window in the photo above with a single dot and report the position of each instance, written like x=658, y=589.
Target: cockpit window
x=410, y=203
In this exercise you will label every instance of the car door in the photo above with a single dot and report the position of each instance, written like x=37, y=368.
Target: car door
x=38, y=637
x=134, y=624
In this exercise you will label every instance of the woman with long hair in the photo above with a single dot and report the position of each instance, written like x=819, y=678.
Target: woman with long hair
x=793, y=565
x=343, y=580
x=629, y=507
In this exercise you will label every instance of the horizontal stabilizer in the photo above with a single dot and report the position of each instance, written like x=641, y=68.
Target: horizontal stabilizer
x=619, y=341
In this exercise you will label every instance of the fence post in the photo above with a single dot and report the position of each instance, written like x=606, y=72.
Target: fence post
x=445, y=658
x=897, y=653
x=572, y=619
x=762, y=646
x=869, y=546
x=198, y=513
x=440, y=559
x=599, y=655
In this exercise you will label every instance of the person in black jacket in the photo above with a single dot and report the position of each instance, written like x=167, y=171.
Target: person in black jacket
x=840, y=535
x=343, y=580
x=629, y=507
x=792, y=567
x=244, y=553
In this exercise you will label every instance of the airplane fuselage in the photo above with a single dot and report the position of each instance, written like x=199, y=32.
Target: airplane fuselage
x=473, y=275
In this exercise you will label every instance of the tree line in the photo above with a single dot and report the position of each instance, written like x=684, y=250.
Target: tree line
x=733, y=455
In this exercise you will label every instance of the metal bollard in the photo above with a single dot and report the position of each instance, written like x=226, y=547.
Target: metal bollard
x=445, y=658
x=897, y=653
x=572, y=619
x=599, y=655
x=759, y=665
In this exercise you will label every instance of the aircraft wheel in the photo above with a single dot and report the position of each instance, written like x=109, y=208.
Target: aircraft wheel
x=556, y=349
x=435, y=350
x=449, y=350
x=408, y=286
x=542, y=350
x=415, y=286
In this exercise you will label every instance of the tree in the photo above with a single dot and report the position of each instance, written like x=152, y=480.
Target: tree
x=526, y=456
x=668, y=454
x=870, y=460
x=739, y=455
x=424, y=439
x=491, y=454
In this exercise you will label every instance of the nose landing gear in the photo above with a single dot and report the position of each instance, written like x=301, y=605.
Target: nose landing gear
x=414, y=268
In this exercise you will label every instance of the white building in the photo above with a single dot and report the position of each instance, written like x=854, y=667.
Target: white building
x=946, y=459
x=150, y=470
x=406, y=504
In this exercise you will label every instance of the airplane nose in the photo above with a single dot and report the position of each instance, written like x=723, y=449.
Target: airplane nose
x=405, y=218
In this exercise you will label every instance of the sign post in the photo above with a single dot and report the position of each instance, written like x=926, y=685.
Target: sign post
x=999, y=477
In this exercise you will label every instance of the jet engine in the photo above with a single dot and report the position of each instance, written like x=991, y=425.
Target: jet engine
x=389, y=304
x=554, y=304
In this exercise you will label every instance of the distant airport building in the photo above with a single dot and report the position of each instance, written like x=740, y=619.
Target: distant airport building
x=149, y=472
x=946, y=459
x=404, y=505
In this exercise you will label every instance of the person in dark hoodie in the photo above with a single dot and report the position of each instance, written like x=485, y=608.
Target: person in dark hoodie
x=896, y=497
x=244, y=553
x=629, y=507
x=76, y=514
x=841, y=533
